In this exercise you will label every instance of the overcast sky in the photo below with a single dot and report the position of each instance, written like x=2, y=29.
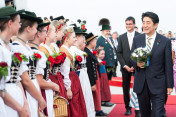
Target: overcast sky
x=115, y=10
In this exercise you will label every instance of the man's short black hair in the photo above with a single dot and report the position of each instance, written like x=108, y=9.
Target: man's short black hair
x=151, y=15
x=130, y=18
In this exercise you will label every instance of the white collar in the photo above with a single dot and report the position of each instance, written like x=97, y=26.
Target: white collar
x=99, y=60
x=132, y=33
x=90, y=49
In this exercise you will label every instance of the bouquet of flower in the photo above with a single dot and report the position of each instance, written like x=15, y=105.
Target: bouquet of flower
x=3, y=70
x=78, y=60
x=36, y=56
x=50, y=60
x=18, y=57
x=141, y=55
x=59, y=58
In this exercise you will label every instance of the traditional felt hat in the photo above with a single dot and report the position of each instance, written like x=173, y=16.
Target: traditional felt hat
x=8, y=1
x=9, y=11
x=78, y=30
x=30, y=16
x=106, y=27
x=90, y=37
x=43, y=23
x=61, y=17
x=4, y=17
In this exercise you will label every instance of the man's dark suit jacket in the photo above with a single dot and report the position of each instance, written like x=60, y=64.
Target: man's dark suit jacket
x=159, y=74
x=91, y=66
x=123, y=50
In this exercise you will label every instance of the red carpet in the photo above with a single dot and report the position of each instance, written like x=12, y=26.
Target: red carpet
x=118, y=99
x=119, y=111
x=117, y=81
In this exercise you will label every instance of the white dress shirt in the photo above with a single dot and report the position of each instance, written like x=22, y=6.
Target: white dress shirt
x=130, y=38
x=152, y=39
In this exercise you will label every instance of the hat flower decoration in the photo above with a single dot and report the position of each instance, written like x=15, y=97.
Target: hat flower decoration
x=82, y=25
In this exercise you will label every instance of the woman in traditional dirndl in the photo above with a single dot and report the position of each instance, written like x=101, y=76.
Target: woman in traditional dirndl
x=56, y=76
x=48, y=88
x=11, y=90
x=71, y=79
x=82, y=71
x=27, y=32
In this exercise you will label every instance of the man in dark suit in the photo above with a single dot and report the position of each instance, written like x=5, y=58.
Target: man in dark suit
x=110, y=54
x=123, y=53
x=154, y=82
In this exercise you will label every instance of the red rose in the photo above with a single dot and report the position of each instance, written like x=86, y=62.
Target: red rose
x=94, y=52
x=19, y=58
x=37, y=55
x=83, y=27
x=17, y=54
x=62, y=59
x=58, y=60
x=51, y=60
x=63, y=54
x=55, y=106
x=79, y=58
x=103, y=62
x=3, y=64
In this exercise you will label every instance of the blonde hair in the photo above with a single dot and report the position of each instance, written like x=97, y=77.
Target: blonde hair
x=50, y=28
x=58, y=24
x=67, y=33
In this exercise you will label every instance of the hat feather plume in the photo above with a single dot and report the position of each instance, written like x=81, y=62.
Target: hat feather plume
x=104, y=21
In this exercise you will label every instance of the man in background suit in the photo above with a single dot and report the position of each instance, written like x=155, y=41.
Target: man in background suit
x=114, y=41
x=153, y=82
x=123, y=53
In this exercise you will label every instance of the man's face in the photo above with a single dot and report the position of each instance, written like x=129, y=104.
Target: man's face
x=148, y=26
x=115, y=36
x=130, y=25
x=106, y=33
